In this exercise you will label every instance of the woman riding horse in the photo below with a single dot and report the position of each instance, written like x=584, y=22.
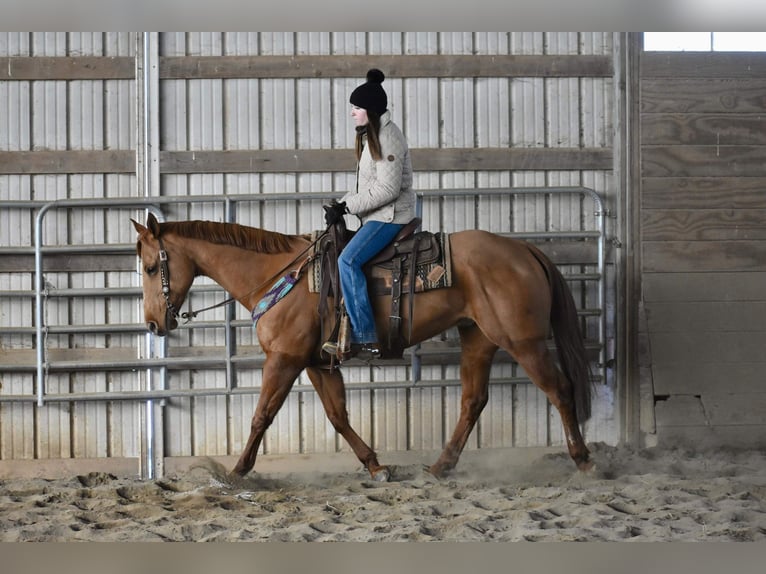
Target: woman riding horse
x=383, y=200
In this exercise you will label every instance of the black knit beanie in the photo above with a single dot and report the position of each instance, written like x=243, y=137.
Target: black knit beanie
x=371, y=96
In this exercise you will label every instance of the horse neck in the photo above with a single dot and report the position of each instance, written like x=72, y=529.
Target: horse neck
x=245, y=274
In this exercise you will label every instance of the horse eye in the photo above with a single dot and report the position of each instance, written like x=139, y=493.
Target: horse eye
x=151, y=270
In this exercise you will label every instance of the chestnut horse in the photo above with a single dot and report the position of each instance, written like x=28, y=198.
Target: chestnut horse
x=505, y=293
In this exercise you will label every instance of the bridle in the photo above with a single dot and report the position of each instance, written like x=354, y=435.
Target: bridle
x=171, y=310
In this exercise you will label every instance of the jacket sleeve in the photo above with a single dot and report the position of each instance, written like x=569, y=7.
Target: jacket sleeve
x=381, y=184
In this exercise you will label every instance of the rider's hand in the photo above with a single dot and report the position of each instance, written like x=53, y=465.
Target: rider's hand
x=333, y=213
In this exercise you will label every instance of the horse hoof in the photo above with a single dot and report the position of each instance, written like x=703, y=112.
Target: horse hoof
x=587, y=467
x=382, y=475
x=435, y=471
x=234, y=479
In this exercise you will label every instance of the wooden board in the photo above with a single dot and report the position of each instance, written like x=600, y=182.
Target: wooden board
x=703, y=129
x=704, y=95
x=701, y=316
x=698, y=286
x=302, y=161
x=714, y=409
x=703, y=192
x=702, y=161
x=703, y=378
x=681, y=256
x=66, y=161
x=707, y=347
x=319, y=161
x=703, y=225
x=682, y=410
x=65, y=68
x=704, y=436
x=69, y=263
x=402, y=66
x=309, y=66
x=675, y=65
x=725, y=408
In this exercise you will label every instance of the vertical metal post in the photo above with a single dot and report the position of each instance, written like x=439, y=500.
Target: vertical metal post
x=230, y=340
x=601, y=218
x=147, y=179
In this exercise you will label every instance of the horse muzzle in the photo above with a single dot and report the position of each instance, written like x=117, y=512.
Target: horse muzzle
x=155, y=329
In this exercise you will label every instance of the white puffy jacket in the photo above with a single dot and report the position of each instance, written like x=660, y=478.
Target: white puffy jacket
x=384, y=188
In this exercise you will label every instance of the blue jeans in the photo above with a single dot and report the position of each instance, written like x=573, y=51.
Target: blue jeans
x=368, y=241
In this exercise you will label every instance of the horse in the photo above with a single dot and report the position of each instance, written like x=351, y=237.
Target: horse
x=505, y=293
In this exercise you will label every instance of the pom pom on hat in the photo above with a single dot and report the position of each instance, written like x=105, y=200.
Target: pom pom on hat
x=371, y=96
x=375, y=76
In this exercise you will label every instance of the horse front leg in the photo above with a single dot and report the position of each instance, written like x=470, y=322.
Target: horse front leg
x=279, y=374
x=475, y=363
x=332, y=392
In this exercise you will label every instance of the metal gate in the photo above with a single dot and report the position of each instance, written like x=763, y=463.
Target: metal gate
x=152, y=362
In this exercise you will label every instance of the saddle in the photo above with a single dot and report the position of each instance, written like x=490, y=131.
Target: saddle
x=413, y=262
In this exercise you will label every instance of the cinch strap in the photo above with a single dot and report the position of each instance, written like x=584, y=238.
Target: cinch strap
x=277, y=291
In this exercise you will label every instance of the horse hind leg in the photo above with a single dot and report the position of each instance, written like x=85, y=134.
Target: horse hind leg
x=537, y=361
x=332, y=392
x=475, y=363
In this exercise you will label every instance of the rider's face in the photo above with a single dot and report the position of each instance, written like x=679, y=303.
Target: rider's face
x=359, y=115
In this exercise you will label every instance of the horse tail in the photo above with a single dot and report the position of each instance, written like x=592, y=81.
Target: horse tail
x=570, y=343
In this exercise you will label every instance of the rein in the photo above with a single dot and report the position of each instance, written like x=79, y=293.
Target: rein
x=189, y=315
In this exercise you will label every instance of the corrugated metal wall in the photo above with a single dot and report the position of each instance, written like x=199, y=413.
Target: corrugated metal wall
x=305, y=112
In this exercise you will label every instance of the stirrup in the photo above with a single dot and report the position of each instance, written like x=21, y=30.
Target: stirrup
x=336, y=351
x=330, y=347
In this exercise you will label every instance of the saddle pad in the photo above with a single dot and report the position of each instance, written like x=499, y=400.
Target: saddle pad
x=273, y=296
x=432, y=275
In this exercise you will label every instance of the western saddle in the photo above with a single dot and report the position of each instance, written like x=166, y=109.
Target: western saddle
x=399, y=258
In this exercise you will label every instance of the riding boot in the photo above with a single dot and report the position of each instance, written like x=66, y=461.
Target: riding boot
x=365, y=351
x=362, y=351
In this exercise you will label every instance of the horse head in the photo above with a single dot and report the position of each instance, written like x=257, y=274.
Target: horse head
x=167, y=274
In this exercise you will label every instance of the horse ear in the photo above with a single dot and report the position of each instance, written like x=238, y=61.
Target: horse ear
x=139, y=228
x=153, y=224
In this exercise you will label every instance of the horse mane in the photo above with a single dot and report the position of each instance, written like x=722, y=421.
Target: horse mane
x=241, y=236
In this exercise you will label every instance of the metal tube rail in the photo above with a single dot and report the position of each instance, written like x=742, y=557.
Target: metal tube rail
x=102, y=291
x=291, y=196
x=136, y=291
x=255, y=357
x=117, y=249
x=171, y=393
x=139, y=328
x=75, y=249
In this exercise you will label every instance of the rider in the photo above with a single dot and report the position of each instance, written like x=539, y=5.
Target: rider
x=383, y=200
